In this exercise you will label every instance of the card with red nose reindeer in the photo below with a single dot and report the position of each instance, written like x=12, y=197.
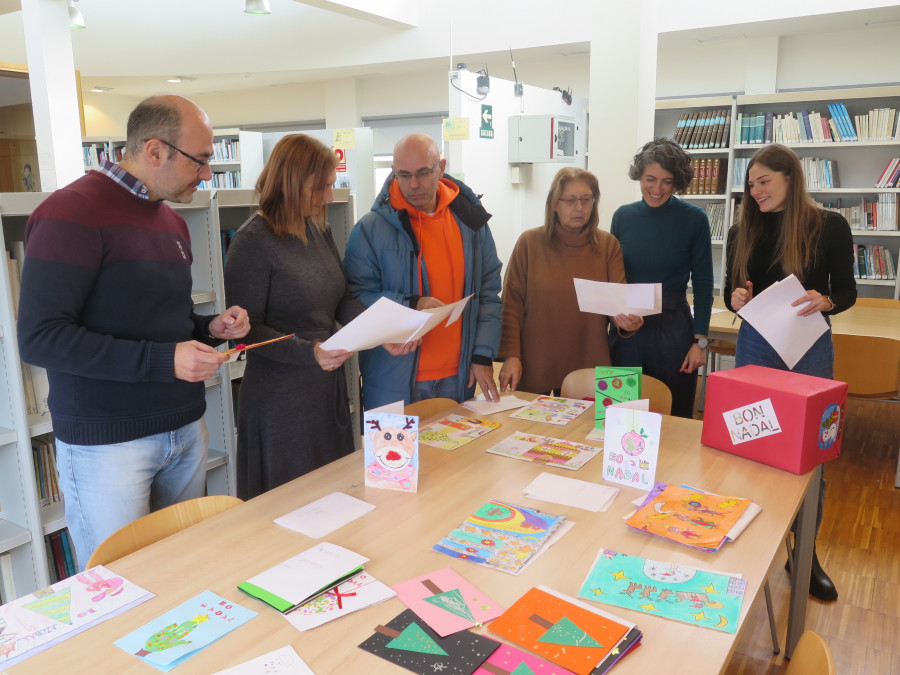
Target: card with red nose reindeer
x=391, y=451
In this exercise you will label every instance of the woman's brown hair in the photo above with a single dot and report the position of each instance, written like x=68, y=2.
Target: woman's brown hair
x=298, y=165
x=801, y=224
x=562, y=178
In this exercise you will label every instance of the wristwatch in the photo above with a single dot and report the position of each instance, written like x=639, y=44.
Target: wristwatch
x=703, y=342
x=830, y=302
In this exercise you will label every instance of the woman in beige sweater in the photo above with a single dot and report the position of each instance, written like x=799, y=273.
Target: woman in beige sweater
x=545, y=335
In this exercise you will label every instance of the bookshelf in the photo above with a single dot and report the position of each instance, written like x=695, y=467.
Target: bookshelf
x=25, y=524
x=859, y=163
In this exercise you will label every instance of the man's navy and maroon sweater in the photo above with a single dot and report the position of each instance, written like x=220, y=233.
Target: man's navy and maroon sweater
x=106, y=295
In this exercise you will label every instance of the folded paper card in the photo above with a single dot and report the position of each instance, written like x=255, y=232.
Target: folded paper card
x=787, y=420
x=631, y=444
x=305, y=576
x=613, y=385
x=174, y=637
x=552, y=410
x=283, y=661
x=447, y=602
x=325, y=515
x=508, y=660
x=39, y=620
x=358, y=592
x=409, y=642
x=454, y=431
x=693, y=596
x=391, y=451
x=554, y=452
x=604, y=297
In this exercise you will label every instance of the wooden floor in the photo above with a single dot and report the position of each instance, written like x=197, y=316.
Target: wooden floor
x=859, y=547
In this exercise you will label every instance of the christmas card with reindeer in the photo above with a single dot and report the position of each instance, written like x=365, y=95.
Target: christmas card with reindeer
x=50, y=615
x=391, y=443
x=447, y=602
x=410, y=643
x=180, y=633
x=631, y=446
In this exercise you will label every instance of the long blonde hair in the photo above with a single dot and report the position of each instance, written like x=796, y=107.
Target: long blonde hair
x=562, y=178
x=297, y=161
x=801, y=224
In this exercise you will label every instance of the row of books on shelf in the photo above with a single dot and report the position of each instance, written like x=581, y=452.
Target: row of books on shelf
x=873, y=262
x=708, y=179
x=222, y=179
x=703, y=129
x=226, y=150
x=867, y=214
x=820, y=174
x=890, y=177
x=97, y=153
x=34, y=379
x=45, y=475
x=715, y=212
x=809, y=126
x=60, y=555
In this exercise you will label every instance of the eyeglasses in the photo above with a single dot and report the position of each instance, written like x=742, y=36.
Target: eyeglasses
x=570, y=202
x=200, y=162
x=405, y=177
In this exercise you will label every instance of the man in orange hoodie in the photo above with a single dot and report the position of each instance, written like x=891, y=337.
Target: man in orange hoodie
x=426, y=243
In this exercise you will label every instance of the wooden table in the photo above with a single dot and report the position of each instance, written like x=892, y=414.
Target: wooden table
x=229, y=548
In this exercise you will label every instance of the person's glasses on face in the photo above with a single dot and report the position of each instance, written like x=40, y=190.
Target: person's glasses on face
x=570, y=202
x=200, y=162
x=406, y=176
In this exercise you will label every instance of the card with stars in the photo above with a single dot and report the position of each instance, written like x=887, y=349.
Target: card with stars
x=409, y=642
x=678, y=592
x=508, y=660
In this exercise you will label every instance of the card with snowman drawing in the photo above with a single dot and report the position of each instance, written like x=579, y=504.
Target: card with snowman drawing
x=391, y=443
x=631, y=448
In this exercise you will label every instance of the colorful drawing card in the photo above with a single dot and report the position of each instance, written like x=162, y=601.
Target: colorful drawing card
x=410, y=643
x=508, y=660
x=282, y=661
x=447, y=602
x=631, y=446
x=552, y=410
x=391, y=451
x=454, y=431
x=561, y=629
x=689, y=516
x=41, y=619
x=677, y=592
x=500, y=535
x=614, y=385
x=180, y=633
x=358, y=592
x=545, y=450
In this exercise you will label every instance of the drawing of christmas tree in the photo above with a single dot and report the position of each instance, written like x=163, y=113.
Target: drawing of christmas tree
x=522, y=669
x=453, y=602
x=414, y=639
x=52, y=604
x=565, y=632
x=171, y=636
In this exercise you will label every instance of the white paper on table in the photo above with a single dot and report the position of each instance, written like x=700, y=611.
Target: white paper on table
x=395, y=408
x=771, y=314
x=282, y=661
x=325, y=515
x=438, y=314
x=385, y=321
x=747, y=516
x=581, y=494
x=484, y=407
x=603, y=297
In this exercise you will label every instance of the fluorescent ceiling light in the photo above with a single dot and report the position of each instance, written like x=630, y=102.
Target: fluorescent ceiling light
x=178, y=79
x=256, y=7
x=76, y=20
x=100, y=90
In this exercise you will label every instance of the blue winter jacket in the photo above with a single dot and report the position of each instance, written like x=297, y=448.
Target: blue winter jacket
x=382, y=260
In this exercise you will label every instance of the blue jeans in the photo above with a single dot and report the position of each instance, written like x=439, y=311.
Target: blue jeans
x=109, y=486
x=444, y=388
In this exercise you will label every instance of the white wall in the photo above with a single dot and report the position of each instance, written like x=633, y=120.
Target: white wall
x=484, y=163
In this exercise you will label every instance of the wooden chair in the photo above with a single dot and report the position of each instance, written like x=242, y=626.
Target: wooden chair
x=811, y=657
x=581, y=383
x=883, y=303
x=429, y=407
x=159, y=525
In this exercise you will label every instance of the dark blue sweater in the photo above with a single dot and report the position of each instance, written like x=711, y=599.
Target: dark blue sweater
x=106, y=295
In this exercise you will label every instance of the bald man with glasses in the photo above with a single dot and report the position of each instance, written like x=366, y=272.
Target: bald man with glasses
x=426, y=243
x=106, y=308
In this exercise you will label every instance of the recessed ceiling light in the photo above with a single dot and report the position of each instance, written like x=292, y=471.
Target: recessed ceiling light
x=178, y=79
x=100, y=90
x=256, y=7
x=76, y=20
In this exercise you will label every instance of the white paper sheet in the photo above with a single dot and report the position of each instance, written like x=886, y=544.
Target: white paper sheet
x=484, y=407
x=325, y=515
x=283, y=661
x=581, y=494
x=601, y=297
x=771, y=314
x=438, y=314
x=395, y=408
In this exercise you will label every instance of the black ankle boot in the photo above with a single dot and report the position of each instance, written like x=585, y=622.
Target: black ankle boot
x=820, y=585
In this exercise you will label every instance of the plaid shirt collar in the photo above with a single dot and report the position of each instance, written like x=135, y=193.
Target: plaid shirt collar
x=125, y=179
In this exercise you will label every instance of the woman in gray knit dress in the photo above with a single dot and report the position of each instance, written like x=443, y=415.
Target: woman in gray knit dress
x=284, y=268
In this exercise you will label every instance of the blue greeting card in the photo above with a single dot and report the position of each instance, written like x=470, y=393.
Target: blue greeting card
x=179, y=633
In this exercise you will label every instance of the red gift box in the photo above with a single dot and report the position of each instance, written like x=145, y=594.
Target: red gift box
x=783, y=419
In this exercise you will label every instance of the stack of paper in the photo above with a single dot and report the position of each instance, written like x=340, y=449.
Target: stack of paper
x=553, y=410
x=549, y=487
x=545, y=450
x=503, y=536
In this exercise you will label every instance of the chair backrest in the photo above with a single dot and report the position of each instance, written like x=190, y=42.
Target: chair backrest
x=884, y=303
x=159, y=525
x=811, y=657
x=582, y=383
x=429, y=407
x=870, y=365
